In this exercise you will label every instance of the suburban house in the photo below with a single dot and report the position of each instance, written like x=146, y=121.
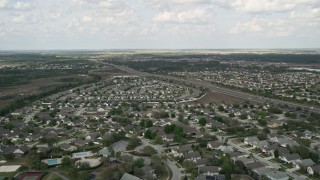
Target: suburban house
x=277, y=175
x=214, y=145
x=291, y=158
x=192, y=156
x=127, y=176
x=305, y=163
x=315, y=169
x=209, y=170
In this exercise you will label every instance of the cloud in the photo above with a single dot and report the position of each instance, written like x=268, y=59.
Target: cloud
x=86, y=19
x=103, y=21
x=265, y=6
x=21, y=6
x=250, y=26
x=3, y=3
x=19, y=19
x=194, y=16
x=311, y=17
x=267, y=28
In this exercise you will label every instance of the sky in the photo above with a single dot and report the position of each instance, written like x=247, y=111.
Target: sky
x=159, y=24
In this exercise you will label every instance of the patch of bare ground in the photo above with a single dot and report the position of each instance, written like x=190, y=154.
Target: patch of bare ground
x=216, y=97
x=37, y=86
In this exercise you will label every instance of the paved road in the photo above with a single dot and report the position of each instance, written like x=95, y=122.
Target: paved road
x=176, y=173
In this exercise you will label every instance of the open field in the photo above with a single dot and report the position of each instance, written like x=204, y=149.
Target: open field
x=216, y=97
x=12, y=93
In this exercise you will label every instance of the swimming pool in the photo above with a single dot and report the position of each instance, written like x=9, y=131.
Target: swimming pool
x=52, y=162
x=82, y=154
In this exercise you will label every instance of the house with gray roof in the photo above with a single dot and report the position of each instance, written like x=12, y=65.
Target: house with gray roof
x=192, y=156
x=209, y=170
x=277, y=175
x=127, y=176
x=315, y=169
x=291, y=158
x=305, y=163
x=104, y=152
x=258, y=172
x=210, y=177
x=254, y=165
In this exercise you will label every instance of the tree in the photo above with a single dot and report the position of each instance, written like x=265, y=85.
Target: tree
x=169, y=128
x=243, y=116
x=66, y=162
x=138, y=162
x=148, y=150
x=133, y=142
x=188, y=165
x=158, y=140
x=173, y=115
x=84, y=165
x=262, y=136
x=202, y=121
x=178, y=131
x=127, y=158
x=115, y=173
x=266, y=130
x=276, y=153
x=231, y=115
x=262, y=122
x=8, y=156
x=34, y=159
x=43, y=166
x=221, y=108
x=149, y=134
x=180, y=117
x=149, y=123
x=142, y=123
x=83, y=175
x=138, y=171
x=8, y=126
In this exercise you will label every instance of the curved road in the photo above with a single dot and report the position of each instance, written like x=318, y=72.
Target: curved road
x=229, y=92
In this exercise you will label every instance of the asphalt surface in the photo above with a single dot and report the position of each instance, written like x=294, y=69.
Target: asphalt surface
x=176, y=173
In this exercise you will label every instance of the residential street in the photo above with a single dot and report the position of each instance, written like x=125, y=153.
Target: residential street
x=176, y=173
x=263, y=160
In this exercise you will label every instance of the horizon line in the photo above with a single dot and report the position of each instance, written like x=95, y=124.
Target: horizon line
x=166, y=49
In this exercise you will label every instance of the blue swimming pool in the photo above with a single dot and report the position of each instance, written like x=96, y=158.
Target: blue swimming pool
x=82, y=154
x=52, y=162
